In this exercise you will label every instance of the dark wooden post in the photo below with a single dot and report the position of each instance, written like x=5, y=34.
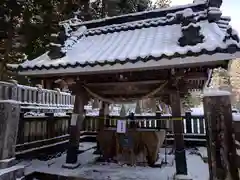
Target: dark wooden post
x=77, y=119
x=180, y=156
x=20, y=137
x=50, y=125
x=188, y=117
x=220, y=139
x=101, y=123
x=160, y=123
x=133, y=123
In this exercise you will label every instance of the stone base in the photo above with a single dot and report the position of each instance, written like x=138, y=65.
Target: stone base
x=71, y=166
x=6, y=163
x=12, y=173
x=182, y=177
x=144, y=149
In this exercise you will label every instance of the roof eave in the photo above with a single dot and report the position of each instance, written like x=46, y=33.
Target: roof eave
x=202, y=60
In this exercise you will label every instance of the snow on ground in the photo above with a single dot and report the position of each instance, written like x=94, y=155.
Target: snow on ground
x=89, y=169
x=197, y=169
x=54, y=166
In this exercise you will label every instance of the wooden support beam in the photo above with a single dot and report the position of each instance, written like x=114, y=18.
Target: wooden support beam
x=103, y=113
x=128, y=83
x=139, y=92
x=124, y=92
x=134, y=79
x=180, y=156
x=135, y=96
x=75, y=126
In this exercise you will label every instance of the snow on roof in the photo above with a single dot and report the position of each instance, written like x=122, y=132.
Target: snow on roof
x=154, y=38
x=154, y=41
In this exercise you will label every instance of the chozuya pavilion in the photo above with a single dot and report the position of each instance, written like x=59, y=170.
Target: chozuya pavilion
x=155, y=54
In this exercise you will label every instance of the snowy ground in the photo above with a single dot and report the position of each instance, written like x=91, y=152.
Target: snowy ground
x=89, y=169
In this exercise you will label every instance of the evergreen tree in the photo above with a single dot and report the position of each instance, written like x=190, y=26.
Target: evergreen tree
x=161, y=4
x=102, y=8
x=11, y=34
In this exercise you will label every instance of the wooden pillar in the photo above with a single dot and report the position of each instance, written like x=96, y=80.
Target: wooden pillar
x=104, y=111
x=188, y=117
x=180, y=156
x=77, y=119
x=220, y=138
x=138, y=108
x=47, y=84
x=50, y=125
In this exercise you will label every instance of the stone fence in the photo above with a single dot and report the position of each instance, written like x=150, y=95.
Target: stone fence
x=15, y=101
x=36, y=97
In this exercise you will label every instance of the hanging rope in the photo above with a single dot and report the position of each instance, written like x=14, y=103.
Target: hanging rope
x=150, y=94
x=97, y=96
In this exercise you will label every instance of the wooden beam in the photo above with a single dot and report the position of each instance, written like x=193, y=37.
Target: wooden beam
x=141, y=83
x=136, y=76
x=194, y=78
x=123, y=92
x=130, y=83
x=137, y=96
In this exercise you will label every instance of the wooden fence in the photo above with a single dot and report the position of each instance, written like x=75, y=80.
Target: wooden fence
x=36, y=133
x=194, y=126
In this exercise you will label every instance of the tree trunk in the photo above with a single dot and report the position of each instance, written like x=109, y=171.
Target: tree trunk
x=8, y=47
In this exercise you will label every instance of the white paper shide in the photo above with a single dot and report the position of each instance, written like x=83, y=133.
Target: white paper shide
x=121, y=126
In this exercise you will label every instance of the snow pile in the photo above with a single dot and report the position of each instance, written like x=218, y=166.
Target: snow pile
x=39, y=114
x=34, y=114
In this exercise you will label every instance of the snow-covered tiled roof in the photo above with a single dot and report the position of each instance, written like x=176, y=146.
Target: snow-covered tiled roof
x=169, y=34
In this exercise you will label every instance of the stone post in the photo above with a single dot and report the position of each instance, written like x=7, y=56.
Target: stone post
x=220, y=135
x=9, y=115
x=9, y=119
